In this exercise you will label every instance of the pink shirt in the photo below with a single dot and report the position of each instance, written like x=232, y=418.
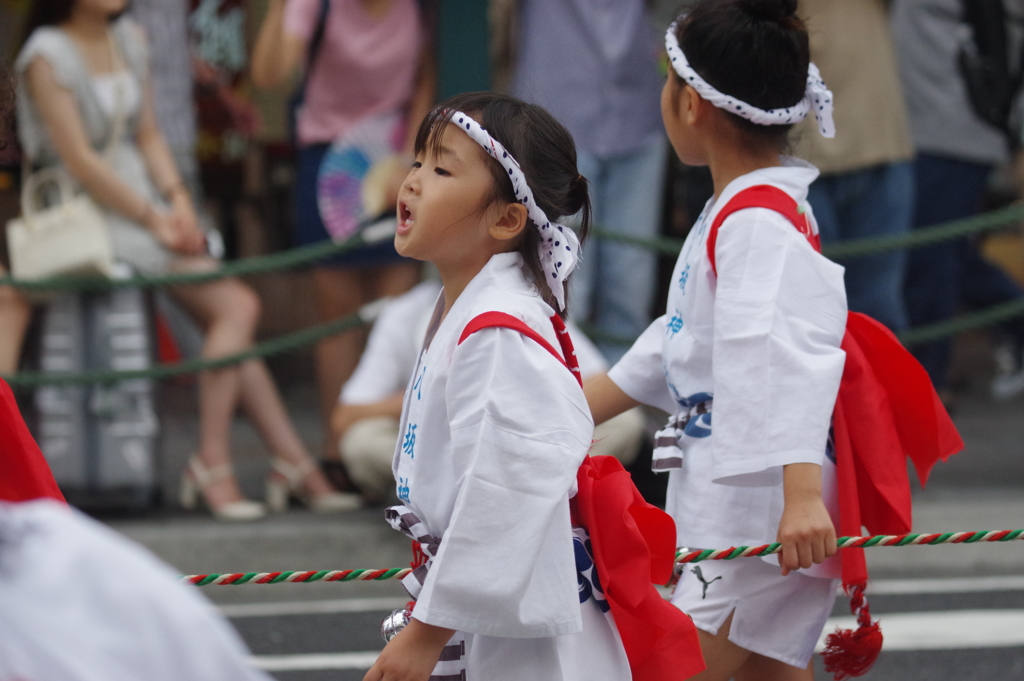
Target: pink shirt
x=365, y=65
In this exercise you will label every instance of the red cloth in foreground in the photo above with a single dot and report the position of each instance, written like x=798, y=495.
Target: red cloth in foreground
x=24, y=473
x=634, y=548
x=634, y=544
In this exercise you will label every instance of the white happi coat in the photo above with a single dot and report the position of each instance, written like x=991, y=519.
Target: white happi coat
x=80, y=602
x=758, y=348
x=492, y=434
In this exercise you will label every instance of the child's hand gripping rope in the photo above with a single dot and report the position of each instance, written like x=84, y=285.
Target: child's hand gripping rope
x=805, y=531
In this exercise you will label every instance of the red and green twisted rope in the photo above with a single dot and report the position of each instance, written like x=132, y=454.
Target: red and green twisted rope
x=681, y=557
x=294, y=576
x=858, y=542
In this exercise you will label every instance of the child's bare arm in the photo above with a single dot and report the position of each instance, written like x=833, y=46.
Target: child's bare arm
x=345, y=414
x=606, y=399
x=411, y=655
x=805, y=531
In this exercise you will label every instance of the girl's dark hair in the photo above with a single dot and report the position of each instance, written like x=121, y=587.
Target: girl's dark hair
x=45, y=13
x=546, y=154
x=754, y=50
x=48, y=13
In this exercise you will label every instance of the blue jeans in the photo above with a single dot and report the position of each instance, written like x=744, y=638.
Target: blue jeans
x=614, y=285
x=943, y=276
x=877, y=201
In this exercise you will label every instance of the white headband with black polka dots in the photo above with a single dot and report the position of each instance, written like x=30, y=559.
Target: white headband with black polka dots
x=817, y=97
x=559, y=248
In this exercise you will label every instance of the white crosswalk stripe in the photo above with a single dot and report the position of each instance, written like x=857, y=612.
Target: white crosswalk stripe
x=315, y=661
x=963, y=585
x=326, y=607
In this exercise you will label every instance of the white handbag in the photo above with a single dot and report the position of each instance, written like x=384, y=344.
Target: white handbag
x=71, y=237
x=68, y=238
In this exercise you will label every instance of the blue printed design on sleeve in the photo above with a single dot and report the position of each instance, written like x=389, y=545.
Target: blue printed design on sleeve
x=409, y=444
x=684, y=276
x=419, y=382
x=675, y=324
x=403, y=489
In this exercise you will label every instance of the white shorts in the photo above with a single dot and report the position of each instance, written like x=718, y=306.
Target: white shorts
x=775, y=616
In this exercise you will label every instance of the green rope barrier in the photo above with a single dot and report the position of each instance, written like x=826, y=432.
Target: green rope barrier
x=303, y=255
x=917, y=238
x=665, y=245
x=967, y=322
x=987, y=222
x=270, y=347
x=312, y=253
x=298, y=339
x=916, y=336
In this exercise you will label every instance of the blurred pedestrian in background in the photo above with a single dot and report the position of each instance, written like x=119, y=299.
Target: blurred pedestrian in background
x=170, y=65
x=14, y=310
x=362, y=59
x=593, y=65
x=866, y=185
x=80, y=70
x=165, y=23
x=960, y=61
x=227, y=118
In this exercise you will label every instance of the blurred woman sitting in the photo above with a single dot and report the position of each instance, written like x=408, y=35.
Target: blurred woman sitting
x=82, y=68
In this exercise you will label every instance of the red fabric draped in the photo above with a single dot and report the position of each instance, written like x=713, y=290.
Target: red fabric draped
x=634, y=548
x=886, y=410
x=24, y=473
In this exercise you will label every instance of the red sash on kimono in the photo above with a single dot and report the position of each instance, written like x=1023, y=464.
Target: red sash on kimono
x=633, y=543
x=24, y=473
x=886, y=409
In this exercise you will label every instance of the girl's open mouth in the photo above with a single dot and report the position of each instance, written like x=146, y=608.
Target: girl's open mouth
x=405, y=219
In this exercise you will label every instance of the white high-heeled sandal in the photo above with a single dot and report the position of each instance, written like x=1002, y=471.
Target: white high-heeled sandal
x=289, y=484
x=197, y=477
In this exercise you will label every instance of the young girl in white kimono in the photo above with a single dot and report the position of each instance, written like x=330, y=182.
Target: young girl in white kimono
x=495, y=425
x=751, y=340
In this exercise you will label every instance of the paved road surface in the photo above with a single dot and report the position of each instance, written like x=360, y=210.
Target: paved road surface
x=949, y=612
x=955, y=629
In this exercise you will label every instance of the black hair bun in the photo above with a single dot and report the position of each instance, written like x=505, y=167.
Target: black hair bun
x=578, y=195
x=769, y=10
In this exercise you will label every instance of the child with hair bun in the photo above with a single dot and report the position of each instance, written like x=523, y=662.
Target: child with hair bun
x=539, y=560
x=762, y=367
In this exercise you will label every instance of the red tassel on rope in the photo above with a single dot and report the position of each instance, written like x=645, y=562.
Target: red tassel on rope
x=419, y=558
x=852, y=652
